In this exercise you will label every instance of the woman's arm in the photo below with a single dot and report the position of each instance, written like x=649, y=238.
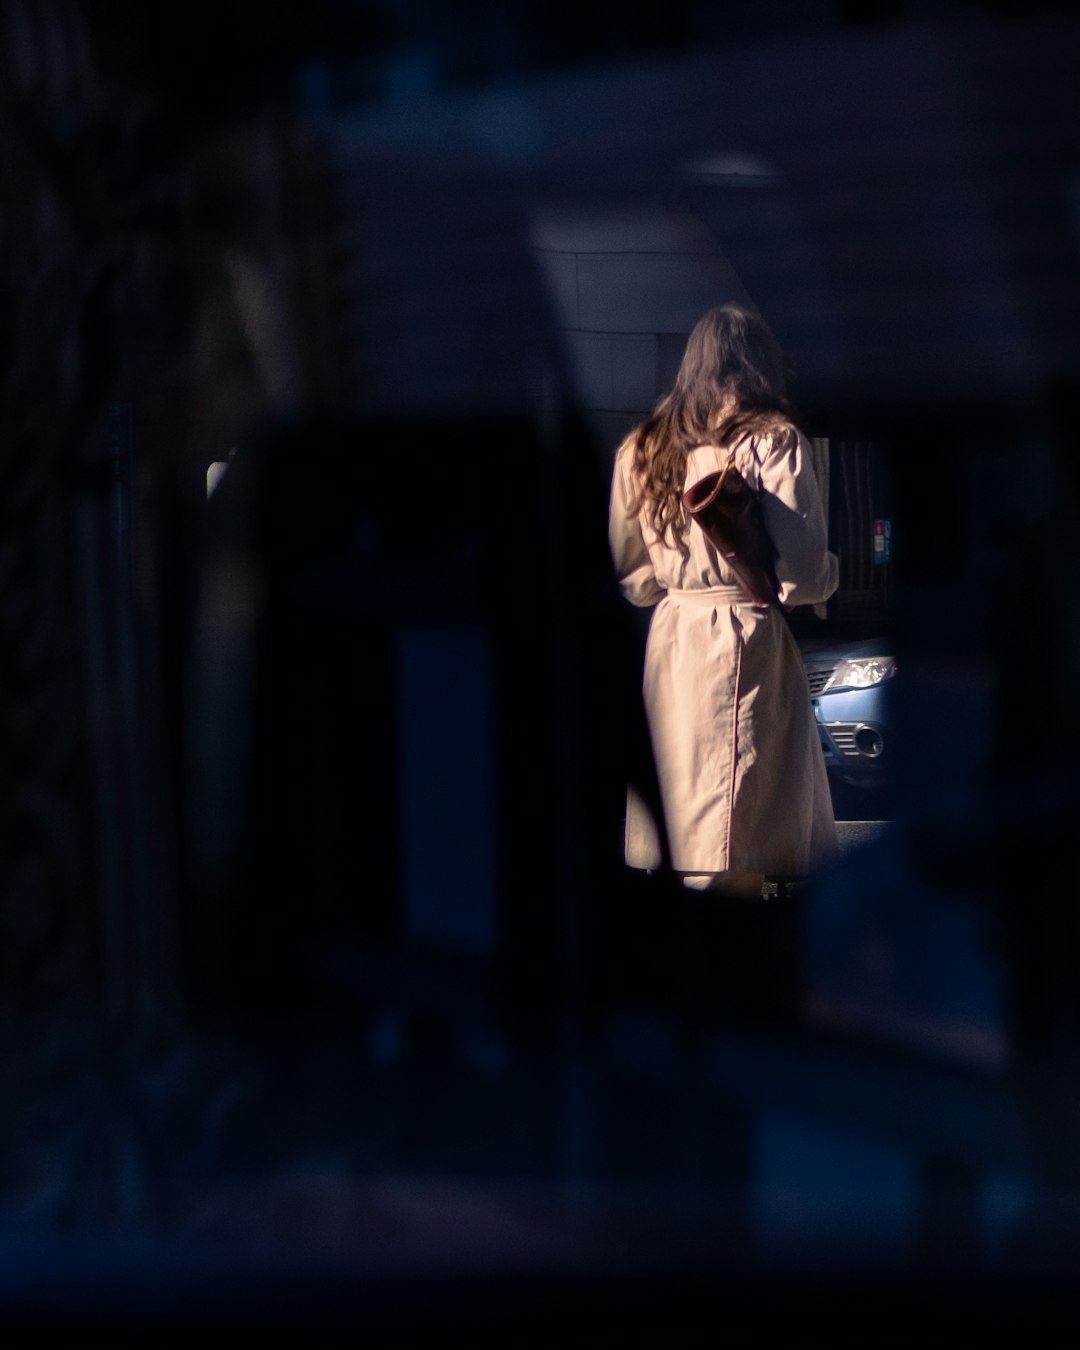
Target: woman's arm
x=795, y=518
x=633, y=566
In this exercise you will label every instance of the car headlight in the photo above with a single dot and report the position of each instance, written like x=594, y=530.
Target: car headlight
x=861, y=674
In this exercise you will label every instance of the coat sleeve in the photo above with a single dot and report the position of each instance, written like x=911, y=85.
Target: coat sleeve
x=795, y=518
x=633, y=566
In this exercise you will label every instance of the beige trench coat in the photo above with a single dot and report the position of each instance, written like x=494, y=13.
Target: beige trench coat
x=741, y=773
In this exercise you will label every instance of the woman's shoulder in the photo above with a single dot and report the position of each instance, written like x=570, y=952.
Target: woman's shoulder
x=781, y=438
x=625, y=453
x=626, y=445
x=624, y=478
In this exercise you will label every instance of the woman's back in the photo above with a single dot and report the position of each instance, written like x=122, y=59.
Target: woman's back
x=781, y=468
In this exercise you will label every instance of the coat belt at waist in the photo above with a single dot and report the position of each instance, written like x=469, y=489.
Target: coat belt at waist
x=711, y=595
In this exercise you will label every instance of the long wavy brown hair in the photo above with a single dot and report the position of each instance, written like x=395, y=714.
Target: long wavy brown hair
x=731, y=383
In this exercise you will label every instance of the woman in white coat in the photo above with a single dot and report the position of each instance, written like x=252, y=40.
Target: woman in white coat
x=742, y=779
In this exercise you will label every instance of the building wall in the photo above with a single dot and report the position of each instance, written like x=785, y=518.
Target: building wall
x=626, y=287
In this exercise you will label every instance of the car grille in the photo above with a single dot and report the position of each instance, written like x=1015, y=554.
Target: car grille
x=843, y=736
x=817, y=679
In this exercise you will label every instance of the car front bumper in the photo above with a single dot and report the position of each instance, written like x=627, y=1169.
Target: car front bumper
x=853, y=726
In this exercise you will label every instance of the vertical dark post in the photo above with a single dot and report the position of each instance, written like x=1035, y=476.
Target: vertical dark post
x=569, y=809
x=140, y=971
